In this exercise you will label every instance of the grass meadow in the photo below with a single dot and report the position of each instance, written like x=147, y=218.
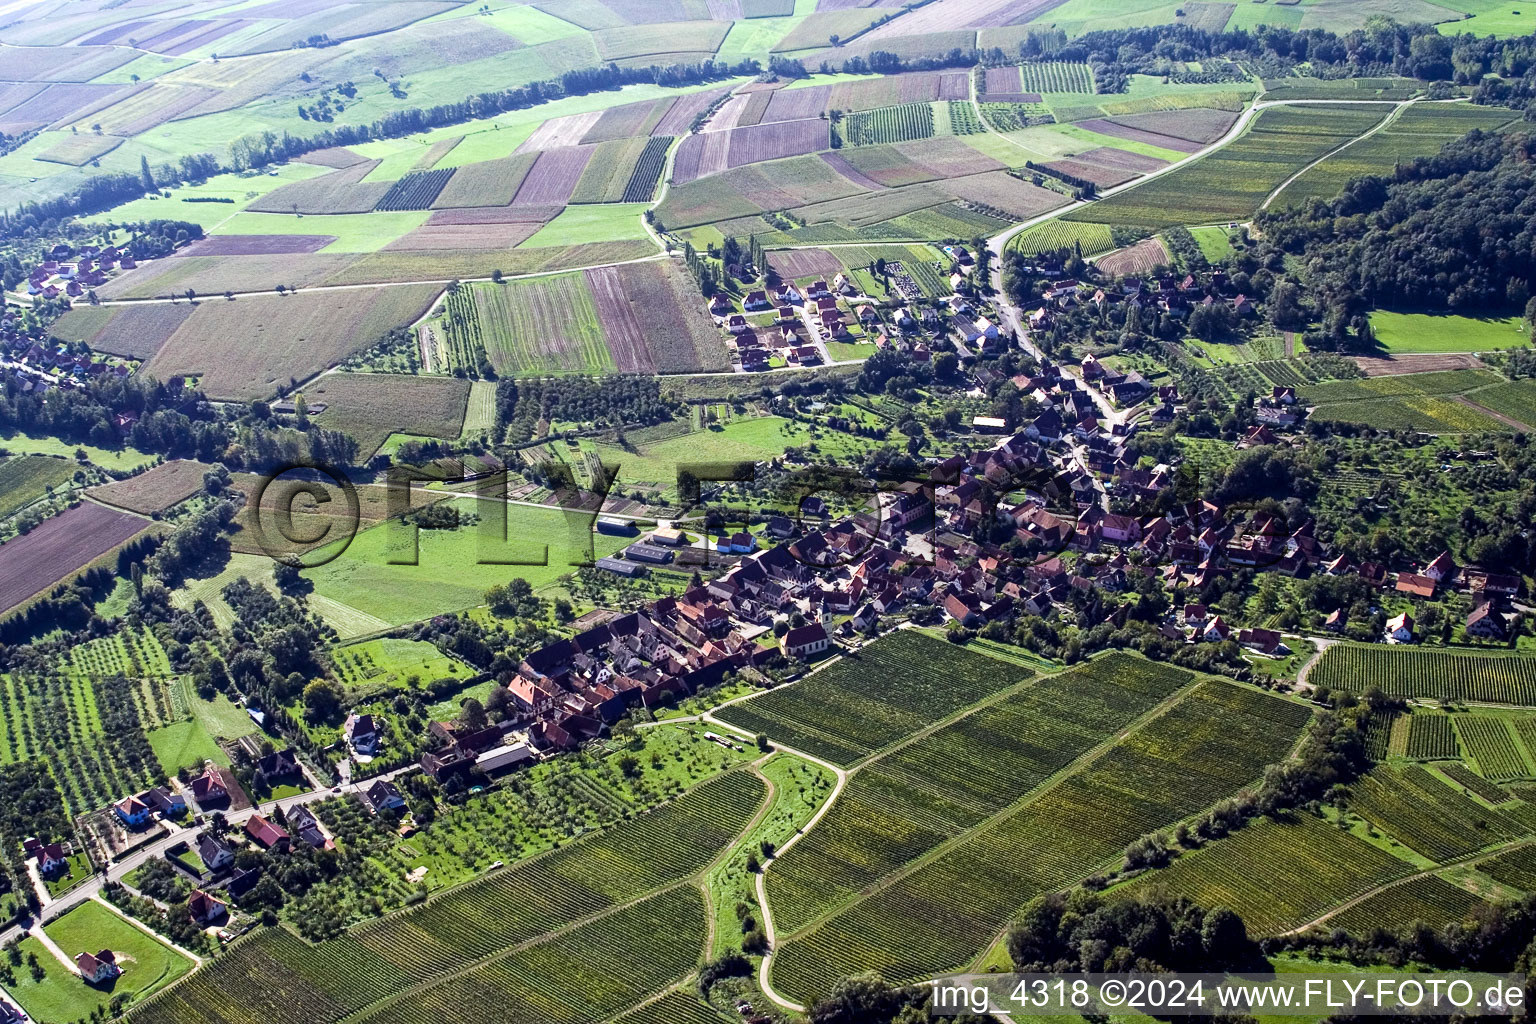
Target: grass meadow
x=1403, y=333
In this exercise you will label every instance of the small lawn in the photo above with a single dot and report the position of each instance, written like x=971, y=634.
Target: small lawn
x=1422, y=332
x=62, y=996
x=591, y=222
x=78, y=872
x=181, y=744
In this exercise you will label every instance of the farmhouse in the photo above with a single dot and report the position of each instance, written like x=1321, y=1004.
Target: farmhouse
x=209, y=786
x=1486, y=623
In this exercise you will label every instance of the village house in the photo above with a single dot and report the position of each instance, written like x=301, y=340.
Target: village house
x=1486, y=623
x=213, y=851
x=209, y=787
x=1400, y=628
x=804, y=641
x=205, y=909
x=132, y=811
x=98, y=969
x=384, y=796
x=362, y=733
x=266, y=834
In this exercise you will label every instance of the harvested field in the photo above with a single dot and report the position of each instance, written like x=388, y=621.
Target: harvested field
x=1104, y=177
x=243, y=350
x=487, y=183
x=949, y=14
x=149, y=108
x=948, y=157
x=681, y=336
x=813, y=31
x=560, y=132
x=134, y=331
x=679, y=118
x=445, y=264
x=494, y=215
x=341, y=191
x=211, y=275
x=702, y=155
x=847, y=170
x=77, y=150
x=752, y=113
x=1000, y=83
x=887, y=165
x=60, y=63
x=874, y=207
x=553, y=176
x=1122, y=159
x=156, y=489
x=492, y=235
x=55, y=103
x=796, y=263
x=1136, y=259
x=1104, y=126
x=725, y=118
x=336, y=156
x=775, y=141
x=627, y=122
x=1374, y=366
x=626, y=340
x=797, y=104
x=1197, y=124
x=341, y=21
x=703, y=37
x=254, y=245
x=69, y=541
x=1003, y=191
x=371, y=406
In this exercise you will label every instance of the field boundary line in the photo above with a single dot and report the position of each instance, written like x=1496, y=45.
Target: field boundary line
x=1473, y=859
x=1392, y=115
x=1084, y=760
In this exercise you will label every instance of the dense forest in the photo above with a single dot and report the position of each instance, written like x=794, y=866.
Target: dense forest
x=1447, y=233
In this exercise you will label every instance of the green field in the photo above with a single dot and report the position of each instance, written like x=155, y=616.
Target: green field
x=148, y=965
x=1231, y=184
x=127, y=458
x=183, y=744
x=901, y=805
x=871, y=698
x=378, y=666
x=27, y=478
x=1416, y=672
x=355, y=232
x=1278, y=875
x=1414, y=401
x=938, y=915
x=1403, y=333
x=594, y=222
x=450, y=575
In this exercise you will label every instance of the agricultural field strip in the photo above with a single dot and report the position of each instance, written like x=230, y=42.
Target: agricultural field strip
x=764, y=808
x=1472, y=859
x=1084, y=760
x=1392, y=115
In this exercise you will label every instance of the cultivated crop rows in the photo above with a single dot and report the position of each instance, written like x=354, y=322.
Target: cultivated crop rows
x=586, y=974
x=1059, y=234
x=1515, y=868
x=874, y=697
x=1056, y=76
x=642, y=182
x=1413, y=672
x=1473, y=782
x=672, y=1008
x=1429, y=900
x=1426, y=814
x=1431, y=736
x=275, y=979
x=415, y=191
x=464, y=346
x=889, y=124
x=1492, y=746
x=1278, y=875
x=1012, y=117
x=908, y=802
x=963, y=119
x=937, y=917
